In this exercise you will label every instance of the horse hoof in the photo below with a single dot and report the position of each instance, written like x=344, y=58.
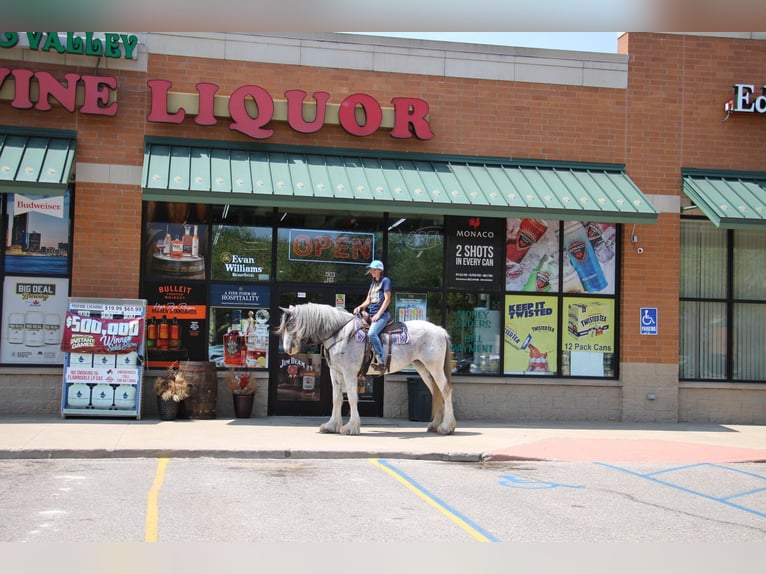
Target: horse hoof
x=349, y=430
x=328, y=429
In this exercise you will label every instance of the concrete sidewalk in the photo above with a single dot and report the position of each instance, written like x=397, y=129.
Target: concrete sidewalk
x=299, y=437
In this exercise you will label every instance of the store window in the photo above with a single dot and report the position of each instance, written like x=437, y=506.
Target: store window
x=327, y=247
x=206, y=272
x=416, y=251
x=474, y=321
x=518, y=296
x=36, y=270
x=723, y=303
x=560, y=307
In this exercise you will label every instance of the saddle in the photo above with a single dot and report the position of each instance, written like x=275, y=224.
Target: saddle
x=393, y=327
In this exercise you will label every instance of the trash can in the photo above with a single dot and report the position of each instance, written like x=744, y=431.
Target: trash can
x=418, y=399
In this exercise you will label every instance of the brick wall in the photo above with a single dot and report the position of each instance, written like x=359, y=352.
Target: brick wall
x=669, y=118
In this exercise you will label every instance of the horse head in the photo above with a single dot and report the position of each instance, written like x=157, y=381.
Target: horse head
x=290, y=343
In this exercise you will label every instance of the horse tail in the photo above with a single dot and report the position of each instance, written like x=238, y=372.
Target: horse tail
x=448, y=360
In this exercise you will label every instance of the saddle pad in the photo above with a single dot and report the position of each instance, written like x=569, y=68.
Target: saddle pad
x=396, y=339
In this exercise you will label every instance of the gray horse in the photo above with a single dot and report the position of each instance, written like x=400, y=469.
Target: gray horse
x=428, y=351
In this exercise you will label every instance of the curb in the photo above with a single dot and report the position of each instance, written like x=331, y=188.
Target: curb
x=50, y=454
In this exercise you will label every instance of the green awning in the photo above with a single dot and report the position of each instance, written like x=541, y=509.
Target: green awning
x=400, y=186
x=728, y=203
x=35, y=163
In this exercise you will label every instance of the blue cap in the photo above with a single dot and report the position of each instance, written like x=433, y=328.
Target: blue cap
x=376, y=264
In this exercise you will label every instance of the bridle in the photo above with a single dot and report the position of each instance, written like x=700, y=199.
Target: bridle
x=323, y=342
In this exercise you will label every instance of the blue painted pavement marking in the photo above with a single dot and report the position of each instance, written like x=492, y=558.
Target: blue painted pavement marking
x=515, y=481
x=469, y=525
x=725, y=500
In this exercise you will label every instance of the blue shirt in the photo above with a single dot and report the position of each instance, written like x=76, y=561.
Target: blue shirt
x=377, y=289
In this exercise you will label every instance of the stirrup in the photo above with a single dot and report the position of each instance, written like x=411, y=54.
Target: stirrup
x=378, y=366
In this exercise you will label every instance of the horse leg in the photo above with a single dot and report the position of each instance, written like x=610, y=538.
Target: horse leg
x=354, y=424
x=439, y=382
x=448, y=422
x=437, y=402
x=333, y=425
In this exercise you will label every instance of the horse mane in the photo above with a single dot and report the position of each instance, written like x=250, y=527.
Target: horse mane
x=316, y=321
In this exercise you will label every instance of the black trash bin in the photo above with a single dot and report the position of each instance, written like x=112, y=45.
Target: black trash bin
x=419, y=400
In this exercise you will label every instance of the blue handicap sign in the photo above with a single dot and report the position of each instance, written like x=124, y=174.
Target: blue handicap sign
x=648, y=320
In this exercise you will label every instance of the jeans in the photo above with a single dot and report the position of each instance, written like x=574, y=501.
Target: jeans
x=374, y=334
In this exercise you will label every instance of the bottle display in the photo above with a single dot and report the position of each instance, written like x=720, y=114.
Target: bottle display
x=195, y=243
x=177, y=248
x=186, y=241
x=580, y=251
x=540, y=277
x=168, y=241
x=163, y=333
x=151, y=333
x=308, y=381
x=233, y=354
x=52, y=329
x=256, y=342
x=175, y=334
x=529, y=232
x=16, y=328
x=571, y=282
x=33, y=329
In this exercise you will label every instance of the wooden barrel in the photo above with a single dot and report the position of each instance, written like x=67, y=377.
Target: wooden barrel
x=179, y=267
x=203, y=379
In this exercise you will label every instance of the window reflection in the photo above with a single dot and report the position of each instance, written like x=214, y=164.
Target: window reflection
x=474, y=323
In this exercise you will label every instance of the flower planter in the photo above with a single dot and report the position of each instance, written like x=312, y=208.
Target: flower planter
x=168, y=410
x=243, y=405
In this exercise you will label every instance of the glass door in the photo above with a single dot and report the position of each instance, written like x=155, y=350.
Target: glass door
x=300, y=384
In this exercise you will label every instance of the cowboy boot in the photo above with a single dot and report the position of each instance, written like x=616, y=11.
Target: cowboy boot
x=378, y=365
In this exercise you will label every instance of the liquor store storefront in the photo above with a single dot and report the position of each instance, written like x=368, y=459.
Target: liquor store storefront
x=223, y=176
x=453, y=262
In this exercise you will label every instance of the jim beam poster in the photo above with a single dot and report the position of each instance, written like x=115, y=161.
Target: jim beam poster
x=33, y=314
x=529, y=335
x=475, y=252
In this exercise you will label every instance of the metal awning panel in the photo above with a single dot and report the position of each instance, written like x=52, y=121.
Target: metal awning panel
x=728, y=203
x=405, y=186
x=36, y=163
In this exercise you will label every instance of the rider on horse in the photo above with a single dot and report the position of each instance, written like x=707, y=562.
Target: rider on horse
x=377, y=302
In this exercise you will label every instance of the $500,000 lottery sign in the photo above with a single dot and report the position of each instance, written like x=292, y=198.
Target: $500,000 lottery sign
x=97, y=335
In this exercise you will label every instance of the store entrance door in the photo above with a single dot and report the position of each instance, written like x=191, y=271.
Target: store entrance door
x=300, y=384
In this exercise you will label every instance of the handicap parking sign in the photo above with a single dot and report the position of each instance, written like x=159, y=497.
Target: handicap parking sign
x=648, y=320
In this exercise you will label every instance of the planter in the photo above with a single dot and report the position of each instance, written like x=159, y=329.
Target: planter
x=243, y=406
x=168, y=410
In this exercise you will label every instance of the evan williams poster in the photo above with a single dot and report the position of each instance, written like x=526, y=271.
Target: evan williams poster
x=529, y=335
x=176, y=317
x=475, y=252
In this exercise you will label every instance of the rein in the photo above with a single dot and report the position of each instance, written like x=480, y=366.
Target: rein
x=326, y=347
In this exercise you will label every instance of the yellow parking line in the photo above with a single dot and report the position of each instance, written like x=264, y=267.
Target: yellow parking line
x=152, y=512
x=474, y=530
